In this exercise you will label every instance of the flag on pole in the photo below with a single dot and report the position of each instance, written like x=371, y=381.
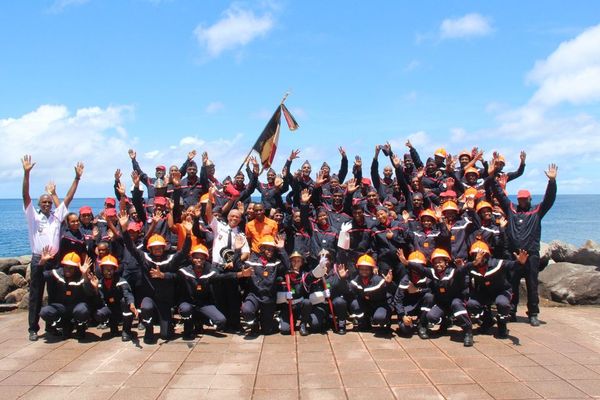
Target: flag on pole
x=266, y=144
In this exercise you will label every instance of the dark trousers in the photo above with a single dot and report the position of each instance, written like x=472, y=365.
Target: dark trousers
x=205, y=313
x=477, y=304
x=530, y=272
x=265, y=310
x=155, y=311
x=419, y=308
x=228, y=301
x=114, y=313
x=36, y=293
x=56, y=314
x=456, y=309
x=370, y=314
x=284, y=316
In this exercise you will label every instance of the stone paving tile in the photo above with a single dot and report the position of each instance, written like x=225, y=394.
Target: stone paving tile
x=533, y=363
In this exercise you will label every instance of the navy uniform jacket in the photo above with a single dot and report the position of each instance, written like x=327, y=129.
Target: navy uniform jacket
x=196, y=289
x=450, y=285
x=374, y=292
x=263, y=282
x=524, y=228
x=403, y=298
x=69, y=293
x=491, y=279
x=119, y=290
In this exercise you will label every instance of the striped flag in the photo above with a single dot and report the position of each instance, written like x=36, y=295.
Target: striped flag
x=266, y=144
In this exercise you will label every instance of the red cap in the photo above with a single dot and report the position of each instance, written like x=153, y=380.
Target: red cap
x=523, y=194
x=110, y=212
x=134, y=226
x=366, y=181
x=161, y=167
x=448, y=193
x=85, y=210
x=231, y=190
x=111, y=201
x=160, y=201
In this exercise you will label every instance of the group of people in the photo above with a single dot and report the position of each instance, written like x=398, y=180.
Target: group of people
x=435, y=242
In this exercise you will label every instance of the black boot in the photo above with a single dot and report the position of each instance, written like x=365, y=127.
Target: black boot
x=533, y=320
x=502, y=330
x=468, y=339
x=125, y=336
x=80, y=332
x=148, y=333
x=341, y=328
x=188, y=330
x=303, y=330
x=422, y=332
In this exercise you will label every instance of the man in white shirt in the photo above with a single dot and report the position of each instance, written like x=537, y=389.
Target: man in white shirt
x=44, y=233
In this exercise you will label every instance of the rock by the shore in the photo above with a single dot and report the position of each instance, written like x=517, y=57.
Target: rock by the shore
x=16, y=295
x=6, y=263
x=18, y=269
x=570, y=283
x=24, y=259
x=5, y=285
x=18, y=281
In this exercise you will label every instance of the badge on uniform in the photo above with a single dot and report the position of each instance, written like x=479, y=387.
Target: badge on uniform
x=198, y=288
x=453, y=238
x=367, y=298
x=442, y=290
x=68, y=293
x=111, y=299
x=265, y=273
x=425, y=244
x=488, y=283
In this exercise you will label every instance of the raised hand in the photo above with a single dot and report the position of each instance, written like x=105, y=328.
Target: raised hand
x=85, y=266
x=27, y=163
x=502, y=180
x=352, y=186
x=320, y=180
x=47, y=254
x=157, y=216
x=78, y=170
x=408, y=144
x=239, y=242
x=377, y=150
x=191, y=155
x=521, y=256
x=357, y=162
x=176, y=178
x=204, y=158
x=51, y=188
x=502, y=221
x=396, y=161
x=294, y=154
x=280, y=243
x=450, y=183
x=187, y=225
x=479, y=258
x=342, y=151
x=135, y=177
x=405, y=215
x=118, y=174
x=121, y=189
x=132, y=154
x=552, y=171
x=401, y=257
x=305, y=196
x=123, y=219
x=523, y=156
x=420, y=173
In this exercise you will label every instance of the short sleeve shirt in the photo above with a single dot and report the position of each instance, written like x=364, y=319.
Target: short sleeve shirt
x=44, y=231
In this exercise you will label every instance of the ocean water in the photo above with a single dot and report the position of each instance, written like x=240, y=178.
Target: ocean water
x=573, y=219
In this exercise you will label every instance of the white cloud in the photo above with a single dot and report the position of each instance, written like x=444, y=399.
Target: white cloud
x=458, y=135
x=57, y=139
x=412, y=65
x=466, y=26
x=214, y=107
x=237, y=28
x=571, y=73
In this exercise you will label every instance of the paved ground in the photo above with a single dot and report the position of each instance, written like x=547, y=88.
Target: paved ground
x=560, y=359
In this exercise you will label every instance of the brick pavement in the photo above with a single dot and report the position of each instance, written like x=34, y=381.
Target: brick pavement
x=560, y=359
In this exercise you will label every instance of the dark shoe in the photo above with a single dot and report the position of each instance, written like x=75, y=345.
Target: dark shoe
x=189, y=335
x=341, y=330
x=102, y=326
x=125, y=336
x=486, y=324
x=114, y=332
x=80, y=333
x=468, y=340
x=148, y=339
x=513, y=317
x=303, y=331
x=33, y=336
x=534, y=321
x=502, y=330
x=53, y=331
x=422, y=332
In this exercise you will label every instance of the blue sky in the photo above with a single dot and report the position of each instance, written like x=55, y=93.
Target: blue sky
x=86, y=80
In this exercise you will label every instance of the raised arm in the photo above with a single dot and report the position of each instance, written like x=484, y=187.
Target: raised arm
x=550, y=194
x=520, y=170
x=375, y=168
x=73, y=188
x=344, y=165
x=136, y=167
x=51, y=190
x=27, y=166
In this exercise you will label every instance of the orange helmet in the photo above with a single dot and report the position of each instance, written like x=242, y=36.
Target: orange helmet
x=428, y=213
x=450, y=206
x=199, y=249
x=71, y=259
x=156, y=240
x=417, y=257
x=109, y=260
x=366, y=260
x=204, y=198
x=267, y=240
x=471, y=192
x=441, y=152
x=481, y=205
x=464, y=153
x=440, y=253
x=472, y=170
x=479, y=247
x=501, y=158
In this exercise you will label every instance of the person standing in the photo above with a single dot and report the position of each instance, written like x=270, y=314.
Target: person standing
x=44, y=230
